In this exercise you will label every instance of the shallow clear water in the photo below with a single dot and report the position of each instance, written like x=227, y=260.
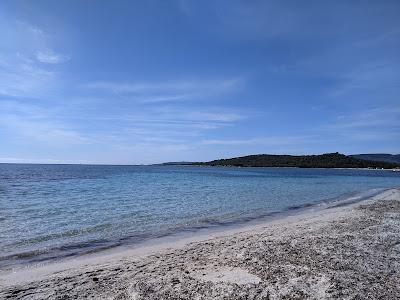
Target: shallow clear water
x=51, y=211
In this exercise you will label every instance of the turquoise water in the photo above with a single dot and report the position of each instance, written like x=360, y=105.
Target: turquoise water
x=53, y=211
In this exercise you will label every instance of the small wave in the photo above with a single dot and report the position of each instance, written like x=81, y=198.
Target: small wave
x=60, y=235
x=53, y=253
x=300, y=206
x=354, y=197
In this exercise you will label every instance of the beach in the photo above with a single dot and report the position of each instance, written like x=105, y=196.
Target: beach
x=343, y=251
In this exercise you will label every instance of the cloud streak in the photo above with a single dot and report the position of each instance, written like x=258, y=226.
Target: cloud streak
x=25, y=62
x=21, y=77
x=50, y=57
x=383, y=117
x=266, y=141
x=169, y=91
x=37, y=123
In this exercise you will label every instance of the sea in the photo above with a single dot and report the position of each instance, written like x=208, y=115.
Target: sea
x=49, y=212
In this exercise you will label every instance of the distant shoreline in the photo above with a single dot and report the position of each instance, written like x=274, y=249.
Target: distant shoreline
x=370, y=158
x=191, y=165
x=259, y=167
x=327, y=160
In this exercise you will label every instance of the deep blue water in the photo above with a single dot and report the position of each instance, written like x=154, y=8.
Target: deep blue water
x=51, y=211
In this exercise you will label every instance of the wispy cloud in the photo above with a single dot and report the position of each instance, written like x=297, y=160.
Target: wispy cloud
x=157, y=99
x=21, y=77
x=151, y=127
x=50, y=57
x=117, y=87
x=169, y=91
x=368, y=125
x=383, y=117
x=42, y=130
x=267, y=141
x=218, y=117
x=36, y=123
x=23, y=70
x=177, y=125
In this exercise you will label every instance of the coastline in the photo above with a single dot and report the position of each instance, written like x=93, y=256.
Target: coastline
x=308, y=254
x=212, y=228
x=270, y=167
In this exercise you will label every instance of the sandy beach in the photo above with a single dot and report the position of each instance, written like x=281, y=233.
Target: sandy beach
x=339, y=252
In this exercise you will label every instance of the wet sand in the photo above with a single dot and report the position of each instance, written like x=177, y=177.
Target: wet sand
x=343, y=252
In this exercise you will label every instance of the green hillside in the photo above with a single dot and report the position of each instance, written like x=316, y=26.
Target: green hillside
x=392, y=158
x=329, y=160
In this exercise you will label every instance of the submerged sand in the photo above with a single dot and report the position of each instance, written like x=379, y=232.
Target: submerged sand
x=343, y=252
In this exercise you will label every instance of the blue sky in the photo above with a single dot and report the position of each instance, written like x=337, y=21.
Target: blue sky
x=126, y=82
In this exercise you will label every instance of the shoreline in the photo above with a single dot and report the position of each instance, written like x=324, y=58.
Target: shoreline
x=213, y=228
x=221, y=260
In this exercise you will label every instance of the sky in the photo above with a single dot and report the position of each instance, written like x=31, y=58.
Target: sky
x=138, y=82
